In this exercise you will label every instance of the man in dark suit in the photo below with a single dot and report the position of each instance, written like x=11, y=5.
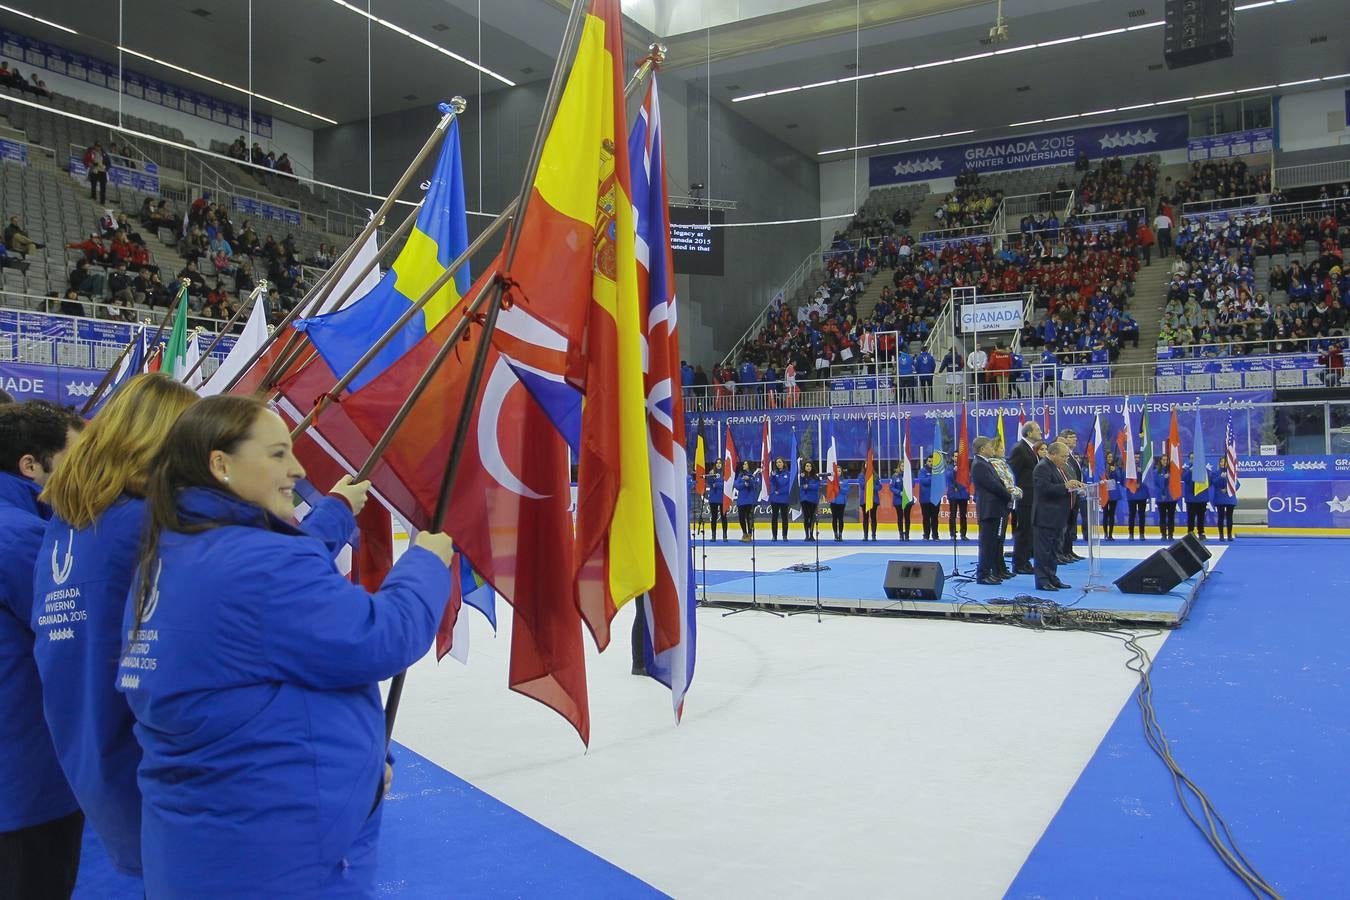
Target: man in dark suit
x=1073, y=470
x=992, y=498
x=1051, y=513
x=1023, y=461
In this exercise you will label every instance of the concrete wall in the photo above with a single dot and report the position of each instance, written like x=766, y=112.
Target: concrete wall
x=1313, y=120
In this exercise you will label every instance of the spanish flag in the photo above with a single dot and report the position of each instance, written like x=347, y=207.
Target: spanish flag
x=577, y=272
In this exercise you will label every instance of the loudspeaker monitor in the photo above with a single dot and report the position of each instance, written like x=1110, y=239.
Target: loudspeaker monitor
x=1166, y=568
x=910, y=579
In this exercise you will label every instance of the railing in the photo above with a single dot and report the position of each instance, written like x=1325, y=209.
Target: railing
x=1244, y=349
x=73, y=353
x=956, y=233
x=786, y=292
x=1028, y=310
x=1312, y=174
x=1199, y=207
x=1037, y=381
x=1280, y=212
x=105, y=312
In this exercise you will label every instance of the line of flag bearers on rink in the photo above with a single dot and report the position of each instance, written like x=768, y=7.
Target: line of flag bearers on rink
x=1038, y=490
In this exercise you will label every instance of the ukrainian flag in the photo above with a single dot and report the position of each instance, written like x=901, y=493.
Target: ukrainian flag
x=439, y=237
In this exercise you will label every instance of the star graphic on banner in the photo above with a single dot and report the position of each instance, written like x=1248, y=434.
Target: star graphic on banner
x=1338, y=505
x=1149, y=136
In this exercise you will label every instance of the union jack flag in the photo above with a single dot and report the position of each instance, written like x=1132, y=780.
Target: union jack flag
x=670, y=605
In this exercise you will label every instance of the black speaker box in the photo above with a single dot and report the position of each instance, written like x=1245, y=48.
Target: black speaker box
x=1197, y=31
x=1166, y=568
x=909, y=579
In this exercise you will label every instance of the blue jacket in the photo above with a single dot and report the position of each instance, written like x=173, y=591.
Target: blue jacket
x=715, y=488
x=898, y=490
x=1219, y=494
x=34, y=789
x=1141, y=491
x=1162, y=491
x=254, y=686
x=956, y=490
x=925, y=482
x=904, y=363
x=747, y=488
x=780, y=486
x=876, y=489
x=924, y=363
x=841, y=498
x=1188, y=491
x=810, y=487
x=1116, y=483
x=79, y=602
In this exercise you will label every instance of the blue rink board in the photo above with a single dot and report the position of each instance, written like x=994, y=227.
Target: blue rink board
x=855, y=581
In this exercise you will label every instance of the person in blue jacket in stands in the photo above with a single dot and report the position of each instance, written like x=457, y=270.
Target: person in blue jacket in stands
x=92, y=541
x=716, y=492
x=253, y=667
x=780, y=492
x=809, y=486
x=898, y=500
x=1196, y=499
x=1224, y=500
x=905, y=369
x=924, y=366
x=958, y=499
x=41, y=826
x=1137, y=499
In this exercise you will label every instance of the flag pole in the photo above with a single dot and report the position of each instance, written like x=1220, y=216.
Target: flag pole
x=477, y=244
x=112, y=370
x=324, y=287
x=493, y=290
x=253, y=297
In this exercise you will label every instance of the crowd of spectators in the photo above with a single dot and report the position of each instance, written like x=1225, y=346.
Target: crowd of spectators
x=970, y=205
x=1111, y=187
x=256, y=155
x=13, y=78
x=1224, y=180
x=1215, y=307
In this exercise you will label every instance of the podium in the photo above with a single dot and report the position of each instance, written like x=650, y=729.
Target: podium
x=1093, y=506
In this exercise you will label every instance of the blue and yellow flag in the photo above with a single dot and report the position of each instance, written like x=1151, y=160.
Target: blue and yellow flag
x=440, y=235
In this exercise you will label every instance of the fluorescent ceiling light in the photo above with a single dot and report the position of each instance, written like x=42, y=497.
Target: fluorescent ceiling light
x=234, y=87
x=960, y=59
x=48, y=22
x=399, y=29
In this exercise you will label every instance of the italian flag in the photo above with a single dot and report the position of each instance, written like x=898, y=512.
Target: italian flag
x=175, y=360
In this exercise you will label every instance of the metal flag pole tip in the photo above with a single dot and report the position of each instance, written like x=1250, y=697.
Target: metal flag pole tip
x=455, y=107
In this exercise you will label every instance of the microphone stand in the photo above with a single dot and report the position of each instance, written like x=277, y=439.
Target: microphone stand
x=755, y=605
x=817, y=568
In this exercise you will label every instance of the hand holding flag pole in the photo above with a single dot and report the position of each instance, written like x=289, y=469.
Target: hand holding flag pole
x=324, y=287
x=117, y=363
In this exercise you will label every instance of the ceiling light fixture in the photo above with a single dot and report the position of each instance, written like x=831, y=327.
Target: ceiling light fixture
x=48, y=22
x=399, y=29
x=225, y=84
x=974, y=56
x=1096, y=112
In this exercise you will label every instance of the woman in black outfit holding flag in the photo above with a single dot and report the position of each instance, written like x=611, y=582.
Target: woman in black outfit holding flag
x=809, y=483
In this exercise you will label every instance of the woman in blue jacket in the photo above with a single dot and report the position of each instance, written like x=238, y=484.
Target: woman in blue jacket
x=716, y=493
x=902, y=504
x=1167, y=503
x=1137, y=500
x=927, y=507
x=1196, y=500
x=1225, y=501
x=958, y=499
x=91, y=543
x=780, y=490
x=837, y=504
x=1115, y=478
x=747, y=495
x=869, y=511
x=252, y=668
x=809, y=484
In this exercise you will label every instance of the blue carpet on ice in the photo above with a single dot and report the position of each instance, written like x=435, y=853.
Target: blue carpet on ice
x=1252, y=692
x=442, y=837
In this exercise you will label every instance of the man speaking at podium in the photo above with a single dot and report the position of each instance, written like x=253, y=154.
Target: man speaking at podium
x=1050, y=514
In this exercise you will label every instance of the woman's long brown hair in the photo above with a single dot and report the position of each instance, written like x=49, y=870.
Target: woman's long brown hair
x=184, y=461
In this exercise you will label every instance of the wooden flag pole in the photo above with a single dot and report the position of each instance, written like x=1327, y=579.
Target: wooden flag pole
x=253, y=297
x=112, y=370
x=325, y=285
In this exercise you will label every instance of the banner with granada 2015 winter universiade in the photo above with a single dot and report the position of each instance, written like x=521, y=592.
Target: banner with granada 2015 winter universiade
x=1026, y=151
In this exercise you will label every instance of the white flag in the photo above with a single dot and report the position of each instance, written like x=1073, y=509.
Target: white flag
x=254, y=336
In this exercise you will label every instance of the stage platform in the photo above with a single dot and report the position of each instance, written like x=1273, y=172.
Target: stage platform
x=853, y=582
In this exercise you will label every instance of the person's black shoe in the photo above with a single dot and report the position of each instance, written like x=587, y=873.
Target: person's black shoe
x=1062, y=586
x=639, y=670
x=1046, y=587
x=1024, y=570
x=991, y=582
x=1004, y=574
x=1064, y=560
x=1075, y=556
